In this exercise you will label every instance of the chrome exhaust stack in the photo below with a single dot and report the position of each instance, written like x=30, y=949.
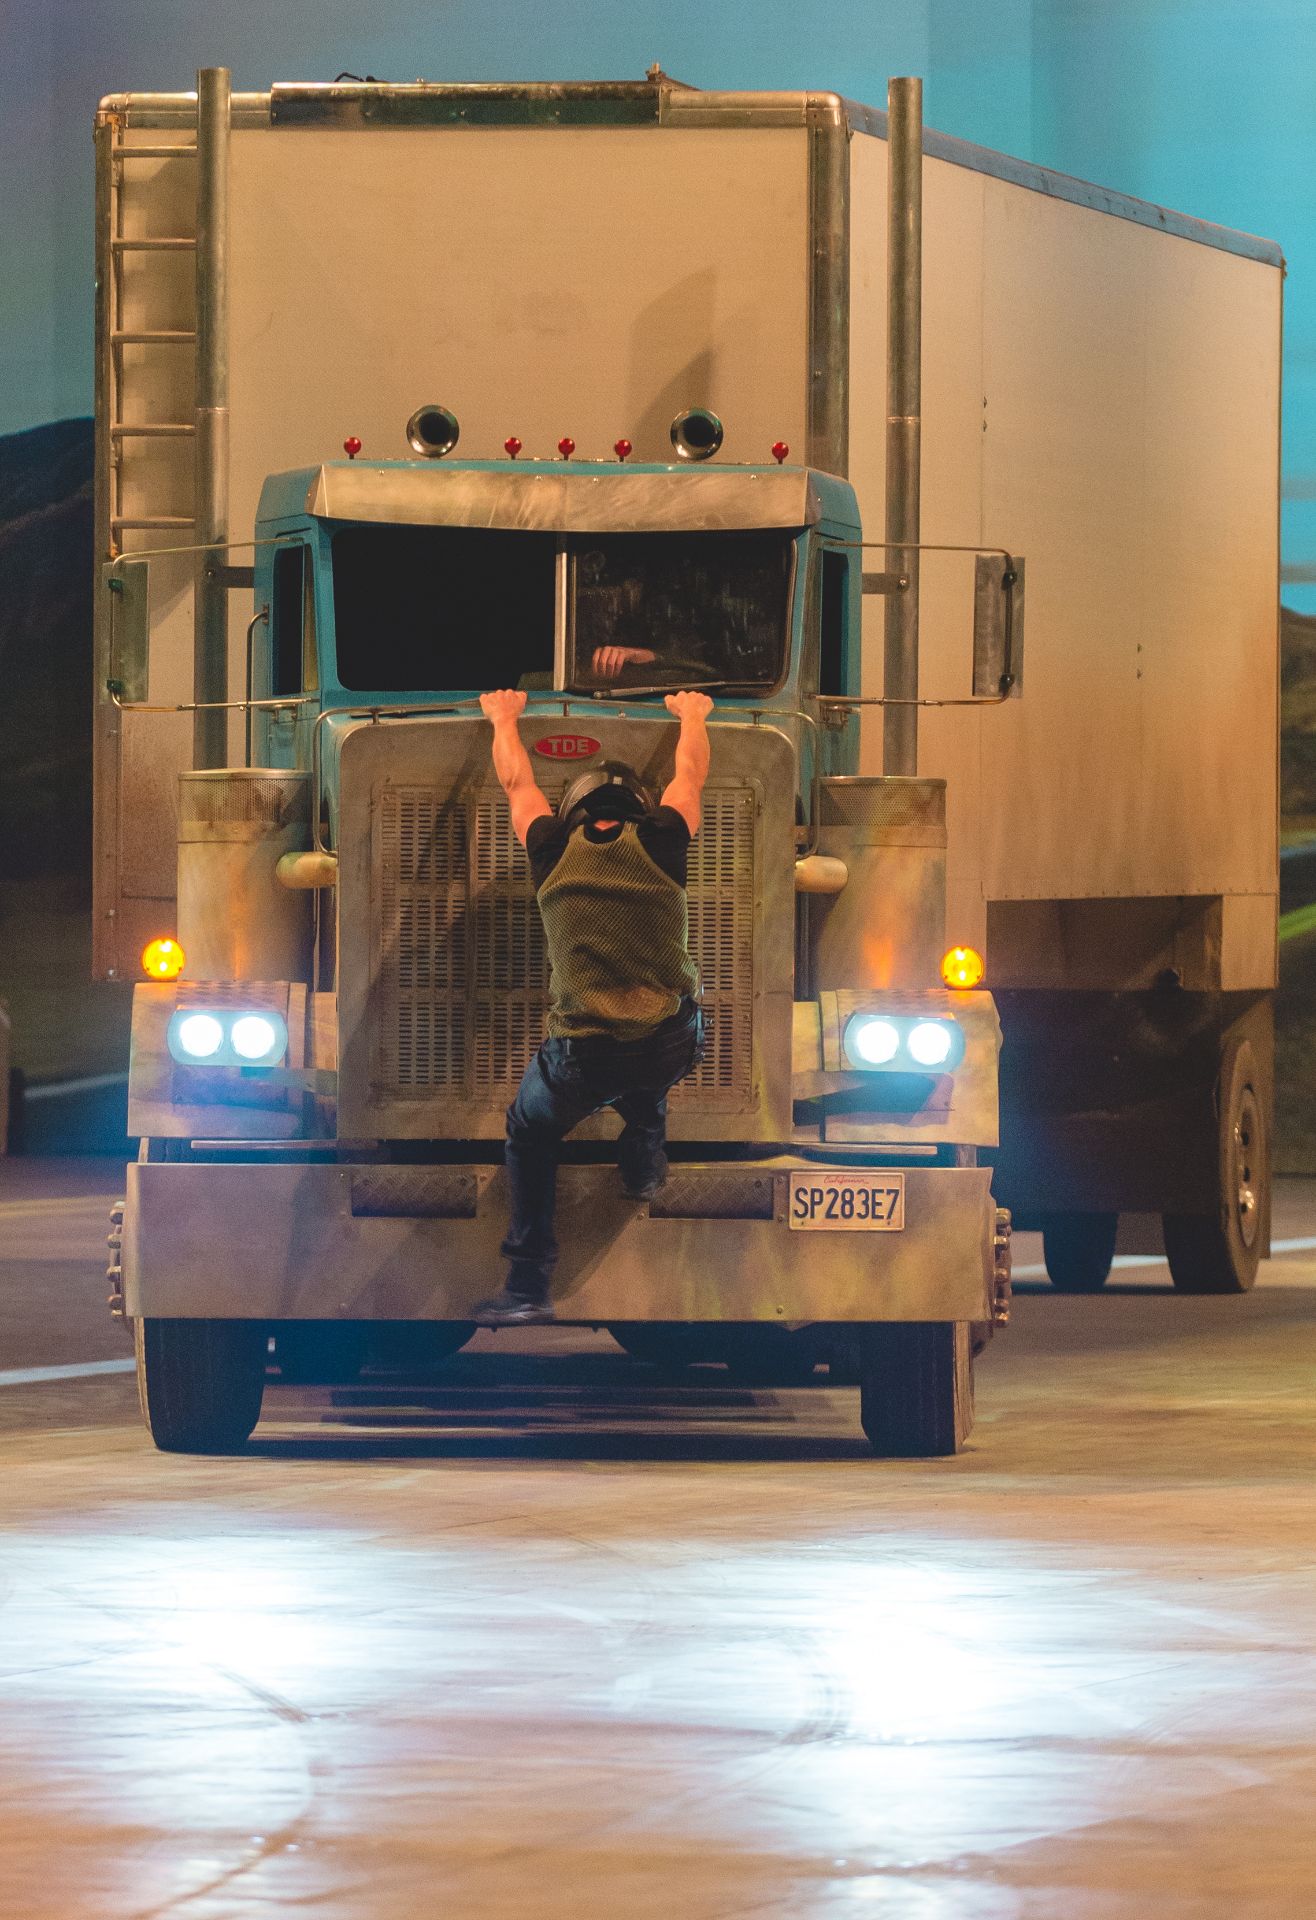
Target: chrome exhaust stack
x=433, y=431
x=696, y=434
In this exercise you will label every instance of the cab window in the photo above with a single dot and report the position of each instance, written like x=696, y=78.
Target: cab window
x=833, y=620
x=443, y=609
x=289, y=618
x=680, y=609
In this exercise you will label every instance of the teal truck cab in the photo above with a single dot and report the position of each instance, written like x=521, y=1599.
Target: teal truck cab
x=320, y=1091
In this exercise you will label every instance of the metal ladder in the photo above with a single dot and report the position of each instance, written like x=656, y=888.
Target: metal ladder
x=122, y=432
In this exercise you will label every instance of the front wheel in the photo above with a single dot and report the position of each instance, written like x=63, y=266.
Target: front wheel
x=916, y=1387
x=1220, y=1252
x=200, y=1382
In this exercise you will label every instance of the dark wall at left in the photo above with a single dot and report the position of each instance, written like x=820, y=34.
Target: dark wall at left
x=46, y=560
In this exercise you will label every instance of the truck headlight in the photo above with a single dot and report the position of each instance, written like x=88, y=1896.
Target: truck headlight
x=199, y=1037
x=254, y=1037
x=871, y=1041
x=930, y=1042
x=243, y=1037
x=903, y=1044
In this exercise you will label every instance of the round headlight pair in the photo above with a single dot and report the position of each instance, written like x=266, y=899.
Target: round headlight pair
x=248, y=1039
x=877, y=1040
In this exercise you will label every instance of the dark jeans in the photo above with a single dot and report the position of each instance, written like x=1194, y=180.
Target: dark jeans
x=565, y=1082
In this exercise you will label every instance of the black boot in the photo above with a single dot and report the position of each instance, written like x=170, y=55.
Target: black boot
x=642, y=1174
x=523, y=1301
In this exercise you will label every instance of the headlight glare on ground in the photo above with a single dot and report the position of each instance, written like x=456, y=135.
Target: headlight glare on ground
x=200, y=1036
x=929, y=1043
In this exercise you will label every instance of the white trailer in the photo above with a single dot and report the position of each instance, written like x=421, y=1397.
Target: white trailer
x=1100, y=393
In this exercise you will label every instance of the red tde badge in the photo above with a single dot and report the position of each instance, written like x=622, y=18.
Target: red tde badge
x=567, y=746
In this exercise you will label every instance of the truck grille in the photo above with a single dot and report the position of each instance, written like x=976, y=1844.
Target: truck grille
x=463, y=975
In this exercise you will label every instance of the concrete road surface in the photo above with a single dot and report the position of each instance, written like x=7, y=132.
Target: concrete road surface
x=547, y=1637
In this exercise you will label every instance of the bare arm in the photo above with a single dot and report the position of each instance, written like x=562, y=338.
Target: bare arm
x=512, y=762
x=687, y=782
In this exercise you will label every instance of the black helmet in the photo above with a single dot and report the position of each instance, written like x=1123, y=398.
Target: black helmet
x=612, y=791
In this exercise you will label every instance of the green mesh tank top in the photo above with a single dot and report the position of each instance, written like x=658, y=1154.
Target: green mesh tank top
x=617, y=935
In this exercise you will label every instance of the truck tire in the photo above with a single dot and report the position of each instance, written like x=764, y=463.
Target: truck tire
x=200, y=1382
x=1220, y=1252
x=916, y=1388
x=1078, y=1249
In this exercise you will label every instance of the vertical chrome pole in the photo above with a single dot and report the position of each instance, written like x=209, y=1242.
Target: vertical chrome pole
x=210, y=512
x=904, y=363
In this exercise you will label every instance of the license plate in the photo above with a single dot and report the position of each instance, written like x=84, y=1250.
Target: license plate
x=847, y=1202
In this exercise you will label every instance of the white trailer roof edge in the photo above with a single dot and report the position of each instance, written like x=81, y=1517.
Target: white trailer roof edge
x=666, y=104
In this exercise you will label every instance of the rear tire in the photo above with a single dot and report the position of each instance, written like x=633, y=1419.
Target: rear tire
x=1220, y=1252
x=1078, y=1249
x=200, y=1382
x=916, y=1388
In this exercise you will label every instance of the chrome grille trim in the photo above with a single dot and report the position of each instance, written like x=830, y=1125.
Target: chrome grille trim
x=509, y=967
x=721, y=906
x=423, y=904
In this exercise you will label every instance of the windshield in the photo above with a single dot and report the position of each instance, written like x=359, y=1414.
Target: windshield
x=443, y=609
x=679, y=609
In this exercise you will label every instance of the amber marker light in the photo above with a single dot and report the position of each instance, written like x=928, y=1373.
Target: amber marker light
x=163, y=960
x=963, y=967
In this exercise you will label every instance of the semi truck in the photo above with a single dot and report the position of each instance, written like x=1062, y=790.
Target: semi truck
x=407, y=392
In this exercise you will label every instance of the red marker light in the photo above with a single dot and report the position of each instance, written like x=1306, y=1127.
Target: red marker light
x=623, y=449
x=779, y=451
x=566, y=446
x=351, y=446
x=511, y=446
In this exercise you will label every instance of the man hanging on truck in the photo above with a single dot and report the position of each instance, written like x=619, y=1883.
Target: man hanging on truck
x=624, y=1025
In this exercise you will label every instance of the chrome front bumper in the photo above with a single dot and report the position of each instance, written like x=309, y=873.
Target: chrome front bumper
x=216, y=1241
